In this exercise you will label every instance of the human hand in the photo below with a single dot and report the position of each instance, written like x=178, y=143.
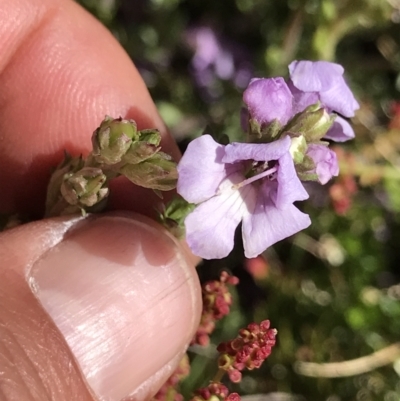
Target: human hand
x=96, y=308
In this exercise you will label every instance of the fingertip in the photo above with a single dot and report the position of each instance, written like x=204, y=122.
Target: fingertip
x=62, y=72
x=117, y=289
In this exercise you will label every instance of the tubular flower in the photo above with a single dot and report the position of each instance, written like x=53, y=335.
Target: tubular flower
x=313, y=81
x=255, y=184
x=326, y=165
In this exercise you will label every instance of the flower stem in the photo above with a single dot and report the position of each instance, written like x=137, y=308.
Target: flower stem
x=219, y=375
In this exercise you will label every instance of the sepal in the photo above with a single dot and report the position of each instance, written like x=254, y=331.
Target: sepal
x=313, y=123
x=157, y=172
x=174, y=214
x=112, y=139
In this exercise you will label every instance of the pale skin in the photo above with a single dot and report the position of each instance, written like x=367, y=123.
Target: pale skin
x=61, y=71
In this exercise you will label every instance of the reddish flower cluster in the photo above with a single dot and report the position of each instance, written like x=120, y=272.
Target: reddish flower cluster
x=395, y=118
x=216, y=304
x=345, y=186
x=215, y=392
x=247, y=351
x=341, y=193
x=258, y=267
x=169, y=390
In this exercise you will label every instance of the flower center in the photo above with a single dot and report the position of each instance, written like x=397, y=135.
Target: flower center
x=258, y=171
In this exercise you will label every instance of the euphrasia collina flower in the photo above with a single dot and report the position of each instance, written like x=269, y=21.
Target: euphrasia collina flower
x=257, y=183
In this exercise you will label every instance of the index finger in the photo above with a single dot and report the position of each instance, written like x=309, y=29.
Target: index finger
x=61, y=72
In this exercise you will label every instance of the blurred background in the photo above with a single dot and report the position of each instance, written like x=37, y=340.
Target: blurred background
x=332, y=291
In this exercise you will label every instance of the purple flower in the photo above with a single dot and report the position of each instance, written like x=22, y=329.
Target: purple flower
x=323, y=81
x=269, y=99
x=255, y=184
x=340, y=131
x=326, y=165
x=217, y=58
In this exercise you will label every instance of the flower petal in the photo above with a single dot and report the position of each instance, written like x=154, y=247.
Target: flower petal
x=302, y=100
x=201, y=170
x=341, y=131
x=268, y=224
x=256, y=151
x=325, y=160
x=210, y=228
x=314, y=76
x=327, y=79
x=290, y=188
x=339, y=98
x=269, y=99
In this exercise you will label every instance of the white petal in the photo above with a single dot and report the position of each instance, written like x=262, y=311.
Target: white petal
x=210, y=228
x=201, y=171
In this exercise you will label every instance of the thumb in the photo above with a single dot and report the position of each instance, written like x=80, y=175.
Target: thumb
x=92, y=308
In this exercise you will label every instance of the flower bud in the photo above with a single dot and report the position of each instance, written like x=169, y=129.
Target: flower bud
x=298, y=148
x=269, y=99
x=139, y=152
x=306, y=169
x=150, y=136
x=157, y=172
x=144, y=148
x=112, y=139
x=174, y=215
x=215, y=391
x=247, y=351
x=233, y=397
x=314, y=122
x=85, y=187
x=68, y=166
x=325, y=162
x=263, y=133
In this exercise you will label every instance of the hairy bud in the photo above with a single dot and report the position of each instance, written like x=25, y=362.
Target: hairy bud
x=313, y=123
x=85, y=187
x=113, y=139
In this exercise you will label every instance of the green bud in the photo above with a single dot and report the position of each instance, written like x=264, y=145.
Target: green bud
x=314, y=122
x=254, y=130
x=306, y=165
x=68, y=166
x=150, y=136
x=147, y=146
x=298, y=149
x=264, y=133
x=85, y=187
x=112, y=139
x=139, y=151
x=271, y=131
x=174, y=215
x=303, y=169
x=157, y=172
x=307, y=176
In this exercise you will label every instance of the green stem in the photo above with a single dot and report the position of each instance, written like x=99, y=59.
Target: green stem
x=219, y=375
